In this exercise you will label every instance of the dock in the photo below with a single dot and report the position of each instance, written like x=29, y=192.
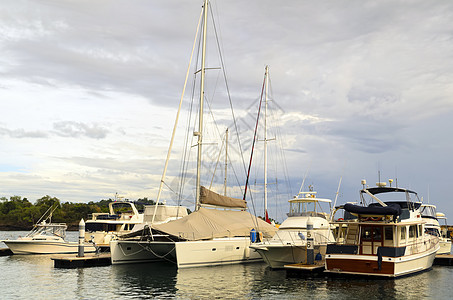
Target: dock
x=314, y=269
x=5, y=252
x=89, y=260
x=443, y=260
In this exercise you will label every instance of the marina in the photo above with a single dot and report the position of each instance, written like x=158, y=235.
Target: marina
x=164, y=281
x=93, y=90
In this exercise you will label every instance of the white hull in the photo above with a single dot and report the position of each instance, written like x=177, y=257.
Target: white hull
x=128, y=252
x=445, y=247
x=44, y=247
x=279, y=256
x=185, y=254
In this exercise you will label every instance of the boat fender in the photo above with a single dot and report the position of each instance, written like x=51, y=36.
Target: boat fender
x=318, y=256
x=260, y=236
x=253, y=235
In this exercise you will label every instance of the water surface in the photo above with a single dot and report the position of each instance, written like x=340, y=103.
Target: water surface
x=33, y=276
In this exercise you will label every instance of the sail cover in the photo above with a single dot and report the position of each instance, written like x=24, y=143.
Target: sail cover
x=213, y=223
x=209, y=197
x=206, y=223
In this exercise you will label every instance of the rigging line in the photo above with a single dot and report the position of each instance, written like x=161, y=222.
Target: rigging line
x=303, y=181
x=217, y=163
x=186, y=153
x=218, y=131
x=235, y=175
x=282, y=153
x=253, y=147
x=229, y=95
x=176, y=122
x=228, y=91
x=280, y=150
x=253, y=143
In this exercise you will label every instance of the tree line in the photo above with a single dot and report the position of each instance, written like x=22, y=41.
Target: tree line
x=17, y=213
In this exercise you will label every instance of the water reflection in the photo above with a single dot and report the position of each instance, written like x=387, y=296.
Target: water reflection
x=228, y=282
x=33, y=276
x=152, y=280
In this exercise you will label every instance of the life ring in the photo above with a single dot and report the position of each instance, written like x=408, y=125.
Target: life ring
x=340, y=219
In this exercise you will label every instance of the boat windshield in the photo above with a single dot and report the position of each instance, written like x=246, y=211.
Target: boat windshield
x=48, y=230
x=305, y=209
x=428, y=211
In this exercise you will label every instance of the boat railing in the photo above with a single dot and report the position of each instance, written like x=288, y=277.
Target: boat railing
x=301, y=236
x=413, y=247
x=307, y=214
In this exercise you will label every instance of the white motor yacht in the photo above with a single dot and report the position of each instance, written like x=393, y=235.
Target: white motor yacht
x=432, y=226
x=388, y=239
x=289, y=244
x=123, y=216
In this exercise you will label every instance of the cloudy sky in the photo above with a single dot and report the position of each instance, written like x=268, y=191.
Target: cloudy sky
x=89, y=92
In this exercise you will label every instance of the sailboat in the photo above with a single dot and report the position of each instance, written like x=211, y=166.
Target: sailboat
x=218, y=232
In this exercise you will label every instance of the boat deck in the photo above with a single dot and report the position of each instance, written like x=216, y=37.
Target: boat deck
x=318, y=266
x=89, y=260
x=443, y=260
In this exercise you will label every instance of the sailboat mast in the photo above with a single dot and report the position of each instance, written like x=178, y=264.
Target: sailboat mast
x=265, y=140
x=200, y=117
x=226, y=162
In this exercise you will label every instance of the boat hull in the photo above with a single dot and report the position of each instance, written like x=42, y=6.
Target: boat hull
x=445, y=247
x=185, y=254
x=277, y=256
x=129, y=252
x=45, y=247
x=369, y=265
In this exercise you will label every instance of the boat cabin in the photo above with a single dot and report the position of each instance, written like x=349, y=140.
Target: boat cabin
x=306, y=204
x=391, y=233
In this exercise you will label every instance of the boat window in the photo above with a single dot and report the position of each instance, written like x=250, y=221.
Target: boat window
x=371, y=233
x=91, y=227
x=403, y=233
x=377, y=233
x=366, y=233
x=405, y=214
x=388, y=233
x=428, y=211
x=412, y=231
x=432, y=231
x=111, y=227
x=420, y=230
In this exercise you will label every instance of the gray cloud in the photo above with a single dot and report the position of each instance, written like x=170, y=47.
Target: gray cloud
x=374, y=76
x=22, y=133
x=77, y=129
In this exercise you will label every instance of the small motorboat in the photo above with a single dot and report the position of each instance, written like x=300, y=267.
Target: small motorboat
x=46, y=238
